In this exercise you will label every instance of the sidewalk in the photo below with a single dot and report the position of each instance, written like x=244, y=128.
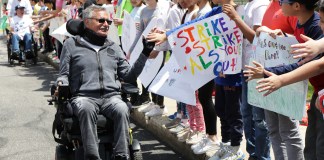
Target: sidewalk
x=156, y=126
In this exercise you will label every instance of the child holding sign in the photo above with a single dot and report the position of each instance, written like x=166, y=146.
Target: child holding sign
x=307, y=24
x=256, y=133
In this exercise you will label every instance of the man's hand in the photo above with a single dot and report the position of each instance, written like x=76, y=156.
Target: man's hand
x=148, y=47
x=57, y=88
x=157, y=36
x=270, y=84
x=230, y=11
x=153, y=54
x=308, y=50
x=254, y=72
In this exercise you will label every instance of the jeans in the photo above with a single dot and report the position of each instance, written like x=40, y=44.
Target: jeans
x=87, y=109
x=181, y=108
x=27, y=42
x=255, y=128
x=314, y=141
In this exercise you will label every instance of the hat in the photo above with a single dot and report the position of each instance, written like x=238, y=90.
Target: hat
x=19, y=6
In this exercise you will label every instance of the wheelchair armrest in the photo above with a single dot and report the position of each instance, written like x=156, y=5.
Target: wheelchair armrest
x=129, y=88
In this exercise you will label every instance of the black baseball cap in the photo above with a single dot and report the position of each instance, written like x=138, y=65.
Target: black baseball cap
x=19, y=7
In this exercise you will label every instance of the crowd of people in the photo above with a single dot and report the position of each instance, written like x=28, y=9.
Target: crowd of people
x=94, y=91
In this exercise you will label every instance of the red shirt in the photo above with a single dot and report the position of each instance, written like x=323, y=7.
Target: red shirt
x=274, y=19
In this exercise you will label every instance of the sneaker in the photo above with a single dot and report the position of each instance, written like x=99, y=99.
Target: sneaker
x=44, y=51
x=173, y=116
x=179, y=128
x=233, y=153
x=156, y=111
x=147, y=108
x=173, y=123
x=206, y=146
x=184, y=136
x=221, y=152
x=196, y=137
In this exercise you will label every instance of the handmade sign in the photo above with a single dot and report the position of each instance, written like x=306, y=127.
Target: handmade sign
x=129, y=32
x=60, y=33
x=55, y=24
x=152, y=66
x=206, y=48
x=113, y=31
x=290, y=100
x=170, y=82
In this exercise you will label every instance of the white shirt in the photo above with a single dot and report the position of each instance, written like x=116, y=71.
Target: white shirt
x=136, y=13
x=13, y=3
x=253, y=15
x=21, y=26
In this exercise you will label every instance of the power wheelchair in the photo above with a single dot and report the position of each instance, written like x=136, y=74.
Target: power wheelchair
x=32, y=55
x=67, y=128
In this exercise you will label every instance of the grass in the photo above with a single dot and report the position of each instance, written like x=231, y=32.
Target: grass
x=310, y=92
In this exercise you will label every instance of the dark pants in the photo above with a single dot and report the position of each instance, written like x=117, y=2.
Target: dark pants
x=87, y=109
x=205, y=97
x=227, y=106
x=48, y=41
x=314, y=141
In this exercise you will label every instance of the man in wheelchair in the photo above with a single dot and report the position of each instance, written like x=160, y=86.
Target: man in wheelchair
x=92, y=66
x=20, y=27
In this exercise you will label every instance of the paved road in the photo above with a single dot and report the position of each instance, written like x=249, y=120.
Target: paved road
x=26, y=119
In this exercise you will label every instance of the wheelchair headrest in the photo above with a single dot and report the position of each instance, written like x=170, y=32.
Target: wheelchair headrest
x=75, y=27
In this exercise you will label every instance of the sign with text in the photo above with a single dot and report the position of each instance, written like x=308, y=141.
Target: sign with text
x=290, y=100
x=206, y=48
x=170, y=83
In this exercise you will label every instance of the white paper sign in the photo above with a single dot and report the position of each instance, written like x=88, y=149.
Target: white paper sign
x=290, y=100
x=170, y=83
x=113, y=31
x=150, y=69
x=208, y=47
x=129, y=32
x=60, y=33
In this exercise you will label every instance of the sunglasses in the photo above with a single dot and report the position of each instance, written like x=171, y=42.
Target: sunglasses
x=102, y=20
x=284, y=1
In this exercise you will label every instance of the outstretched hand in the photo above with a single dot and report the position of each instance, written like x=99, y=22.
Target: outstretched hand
x=147, y=47
x=157, y=36
x=308, y=50
x=270, y=84
x=254, y=72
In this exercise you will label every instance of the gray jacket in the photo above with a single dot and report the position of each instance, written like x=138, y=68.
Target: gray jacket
x=96, y=74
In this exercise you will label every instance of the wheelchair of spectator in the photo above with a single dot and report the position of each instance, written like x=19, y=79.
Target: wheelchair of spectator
x=67, y=128
x=30, y=55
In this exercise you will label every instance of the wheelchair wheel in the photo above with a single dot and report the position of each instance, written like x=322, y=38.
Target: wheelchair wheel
x=63, y=153
x=135, y=150
x=137, y=155
x=35, y=60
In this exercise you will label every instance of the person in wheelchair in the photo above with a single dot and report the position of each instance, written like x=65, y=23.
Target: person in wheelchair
x=92, y=65
x=21, y=26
